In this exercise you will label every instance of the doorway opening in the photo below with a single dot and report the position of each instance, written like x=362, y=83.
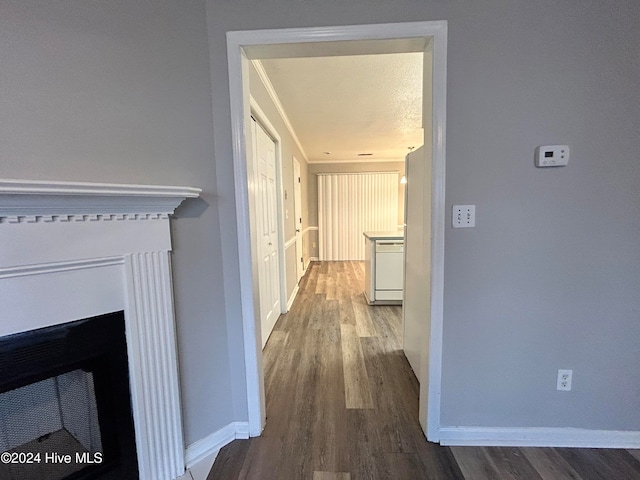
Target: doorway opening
x=329, y=41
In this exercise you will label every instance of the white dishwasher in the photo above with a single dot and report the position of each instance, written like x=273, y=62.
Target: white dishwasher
x=389, y=269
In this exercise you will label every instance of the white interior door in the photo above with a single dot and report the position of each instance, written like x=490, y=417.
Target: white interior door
x=268, y=272
x=297, y=207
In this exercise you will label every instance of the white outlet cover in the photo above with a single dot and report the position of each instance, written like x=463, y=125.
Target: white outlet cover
x=463, y=216
x=564, y=380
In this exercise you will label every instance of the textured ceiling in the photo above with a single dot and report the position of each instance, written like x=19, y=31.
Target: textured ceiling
x=350, y=105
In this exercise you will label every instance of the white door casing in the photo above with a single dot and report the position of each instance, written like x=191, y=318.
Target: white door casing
x=268, y=271
x=326, y=41
x=297, y=210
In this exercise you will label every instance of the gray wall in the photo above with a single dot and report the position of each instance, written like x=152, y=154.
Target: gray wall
x=549, y=277
x=119, y=91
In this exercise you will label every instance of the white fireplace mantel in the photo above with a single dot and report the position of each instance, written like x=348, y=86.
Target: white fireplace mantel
x=73, y=250
x=23, y=199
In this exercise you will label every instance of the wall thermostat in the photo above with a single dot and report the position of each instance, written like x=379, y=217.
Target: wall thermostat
x=552, y=155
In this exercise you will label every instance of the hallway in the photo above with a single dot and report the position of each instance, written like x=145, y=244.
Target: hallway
x=342, y=404
x=341, y=396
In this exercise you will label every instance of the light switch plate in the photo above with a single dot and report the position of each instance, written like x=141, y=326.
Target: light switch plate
x=463, y=216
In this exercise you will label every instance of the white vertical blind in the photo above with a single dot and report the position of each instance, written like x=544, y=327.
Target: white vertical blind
x=352, y=203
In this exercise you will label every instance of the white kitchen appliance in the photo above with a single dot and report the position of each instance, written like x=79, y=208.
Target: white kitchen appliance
x=384, y=267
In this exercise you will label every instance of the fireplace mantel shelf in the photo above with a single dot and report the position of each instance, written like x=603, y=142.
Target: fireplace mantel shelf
x=32, y=200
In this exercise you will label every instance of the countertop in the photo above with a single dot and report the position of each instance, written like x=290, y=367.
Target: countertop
x=389, y=235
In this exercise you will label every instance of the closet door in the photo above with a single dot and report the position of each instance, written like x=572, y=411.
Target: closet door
x=268, y=274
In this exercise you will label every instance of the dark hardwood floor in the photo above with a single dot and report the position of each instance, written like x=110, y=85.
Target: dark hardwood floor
x=342, y=404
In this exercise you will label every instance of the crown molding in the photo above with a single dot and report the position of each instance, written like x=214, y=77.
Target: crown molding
x=266, y=82
x=28, y=200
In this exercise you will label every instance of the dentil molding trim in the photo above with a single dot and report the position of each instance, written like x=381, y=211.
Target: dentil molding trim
x=28, y=201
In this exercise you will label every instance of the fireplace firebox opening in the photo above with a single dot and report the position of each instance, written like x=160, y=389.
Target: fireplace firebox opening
x=65, y=403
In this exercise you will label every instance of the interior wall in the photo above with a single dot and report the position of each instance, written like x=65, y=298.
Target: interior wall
x=289, y=150
x=122, y=92
x=549, y=277
x=119, y=91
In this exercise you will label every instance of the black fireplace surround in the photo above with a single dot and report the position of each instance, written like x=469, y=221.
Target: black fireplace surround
x=96, y=345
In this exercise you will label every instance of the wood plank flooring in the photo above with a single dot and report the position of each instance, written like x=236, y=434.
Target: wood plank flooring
x=342, y=404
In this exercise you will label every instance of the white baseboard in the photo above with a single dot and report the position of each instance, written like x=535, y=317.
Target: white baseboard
x=309, y=260
x=242, y=430
x=292, y=298
x=203, y=450
x=538, y=437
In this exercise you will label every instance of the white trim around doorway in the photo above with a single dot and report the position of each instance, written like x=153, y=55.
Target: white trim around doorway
x=327, y=41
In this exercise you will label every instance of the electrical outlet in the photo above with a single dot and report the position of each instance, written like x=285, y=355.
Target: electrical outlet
x=314, y=245
x=463, y=216
x=564, y=380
